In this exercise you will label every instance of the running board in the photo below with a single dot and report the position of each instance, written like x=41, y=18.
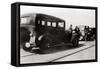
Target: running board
x=64, y=44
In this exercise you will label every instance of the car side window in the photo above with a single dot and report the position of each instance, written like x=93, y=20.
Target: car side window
x=38, y=21
x=43, y=22
x=48, y=23
x=53, y=24
x=61, y=24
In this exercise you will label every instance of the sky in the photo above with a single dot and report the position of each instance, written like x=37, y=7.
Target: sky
x=70, y=15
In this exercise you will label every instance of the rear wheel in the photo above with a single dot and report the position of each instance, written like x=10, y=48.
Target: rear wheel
x=44, y=44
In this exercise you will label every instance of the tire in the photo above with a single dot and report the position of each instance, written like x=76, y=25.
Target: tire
x=44, y=44
x=75, y=40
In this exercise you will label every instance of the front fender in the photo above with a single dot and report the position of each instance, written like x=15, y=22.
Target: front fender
x=74, y=36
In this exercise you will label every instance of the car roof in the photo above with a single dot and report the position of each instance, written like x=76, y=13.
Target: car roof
x=44, y=17
x=49, y=18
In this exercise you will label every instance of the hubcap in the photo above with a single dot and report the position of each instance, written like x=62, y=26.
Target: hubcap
x=27, y=45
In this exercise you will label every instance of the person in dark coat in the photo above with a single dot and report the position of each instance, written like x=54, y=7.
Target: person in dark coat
x=77, y=30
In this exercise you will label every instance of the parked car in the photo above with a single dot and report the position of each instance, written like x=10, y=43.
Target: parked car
x=89, y=33
x=50, y=32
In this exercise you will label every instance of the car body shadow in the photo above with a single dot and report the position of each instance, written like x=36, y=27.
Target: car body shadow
x=57, y=49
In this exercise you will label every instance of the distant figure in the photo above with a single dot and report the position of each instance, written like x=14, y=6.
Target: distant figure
x=70, y=29
x=77, y=30
x=86, y=30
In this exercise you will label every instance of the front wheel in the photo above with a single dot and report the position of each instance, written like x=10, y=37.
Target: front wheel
x=75, y=40
x=44, y=44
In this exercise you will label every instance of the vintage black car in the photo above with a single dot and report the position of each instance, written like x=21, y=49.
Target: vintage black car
x=49, y=32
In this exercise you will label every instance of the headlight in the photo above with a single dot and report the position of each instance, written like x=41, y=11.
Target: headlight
x=27, y=45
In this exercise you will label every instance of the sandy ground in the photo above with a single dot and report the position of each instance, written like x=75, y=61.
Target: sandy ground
x=85, y=51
